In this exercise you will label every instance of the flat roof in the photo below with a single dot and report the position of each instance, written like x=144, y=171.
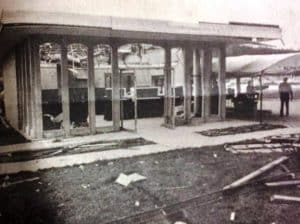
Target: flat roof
x=18, y=24
x=239, y=30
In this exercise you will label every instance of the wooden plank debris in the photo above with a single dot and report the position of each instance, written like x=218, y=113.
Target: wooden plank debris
x=284, y=168
x=276, y=177
x=232, y=216
x=5, y=185
x=283, y=183
x=284, y=198
x=244, y=180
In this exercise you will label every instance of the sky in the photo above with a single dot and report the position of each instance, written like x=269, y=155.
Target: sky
x=285, y=13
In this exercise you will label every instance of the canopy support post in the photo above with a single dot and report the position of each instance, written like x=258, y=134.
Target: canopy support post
x=260, y=98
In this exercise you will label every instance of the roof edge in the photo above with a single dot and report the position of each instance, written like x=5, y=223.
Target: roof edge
x=144, y=25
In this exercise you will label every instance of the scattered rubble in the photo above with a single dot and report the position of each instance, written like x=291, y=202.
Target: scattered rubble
x=232, y=216
x=7, y=184
x=240, y=129
x=81, y=167
x=85, y=186
x=283, y=183
x=244, y=180
x=284, y=198
x=284, y=143
x=125, y=180
x=137, y=204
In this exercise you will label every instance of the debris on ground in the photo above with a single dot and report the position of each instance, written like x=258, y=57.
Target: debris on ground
x=284, y=198
x=283, y=183
x=110, y=163
x=137, y=204
x=281, y=144
x=61, y=205
x=85, y=186
x=8, y=184
x=37, y=190
x=56, y=152
x=240, y=129
x=125, y=180
x=71, y=149
x=180, y=222
x=135, y=177
x=81, y=167
x=244, y=180
x=92, y=147
x=232, y=216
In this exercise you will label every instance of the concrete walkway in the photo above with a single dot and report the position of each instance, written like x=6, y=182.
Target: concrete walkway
x=149, y=129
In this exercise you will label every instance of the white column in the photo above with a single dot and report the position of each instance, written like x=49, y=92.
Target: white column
x=188, y=70
x=207, y=70
x=115, y=89
x=197, y=83
x=168, y=106
x=65, y=88
x=91, y=90
x=222, y=82
x=37, y=90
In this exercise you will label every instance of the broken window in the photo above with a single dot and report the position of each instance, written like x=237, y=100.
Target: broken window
x=78, y=84
x=50, y=69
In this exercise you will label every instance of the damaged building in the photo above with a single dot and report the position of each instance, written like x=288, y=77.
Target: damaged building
x=67, y=74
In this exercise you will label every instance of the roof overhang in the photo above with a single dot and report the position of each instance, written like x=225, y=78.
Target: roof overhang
x=253, y=65
x=18, y=24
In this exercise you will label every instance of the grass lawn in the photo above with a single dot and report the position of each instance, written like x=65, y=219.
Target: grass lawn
x=89, y=194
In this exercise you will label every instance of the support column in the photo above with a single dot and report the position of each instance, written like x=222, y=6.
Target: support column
x=222, y=82
x=197, y=84
x=32, y=93
x=37, y=91
x=168, y=105
x=65, y=88
x=207, y=70
x=115, y=89
x=91, y=90
x=238, y=85
x=188, y=70
x=31, y=87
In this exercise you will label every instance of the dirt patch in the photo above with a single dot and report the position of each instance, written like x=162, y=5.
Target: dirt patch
x=85, y=148
x=182, y=179
x=240, y=129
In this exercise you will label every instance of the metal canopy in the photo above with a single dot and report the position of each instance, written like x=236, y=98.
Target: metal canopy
x=251, y=65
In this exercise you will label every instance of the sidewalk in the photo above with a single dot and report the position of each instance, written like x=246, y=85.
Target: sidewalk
x=149, y=129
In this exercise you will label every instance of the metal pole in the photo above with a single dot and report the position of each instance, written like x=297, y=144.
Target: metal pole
x=173, y=99
x=135, y=103
x=260, y=98
x=121, y=102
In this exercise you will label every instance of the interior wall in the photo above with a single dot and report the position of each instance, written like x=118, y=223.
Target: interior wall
x=10, y=86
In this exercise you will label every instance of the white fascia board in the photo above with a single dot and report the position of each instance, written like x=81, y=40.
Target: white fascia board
x=142, y=25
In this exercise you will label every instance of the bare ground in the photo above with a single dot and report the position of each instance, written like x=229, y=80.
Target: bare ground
x=89, y=195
